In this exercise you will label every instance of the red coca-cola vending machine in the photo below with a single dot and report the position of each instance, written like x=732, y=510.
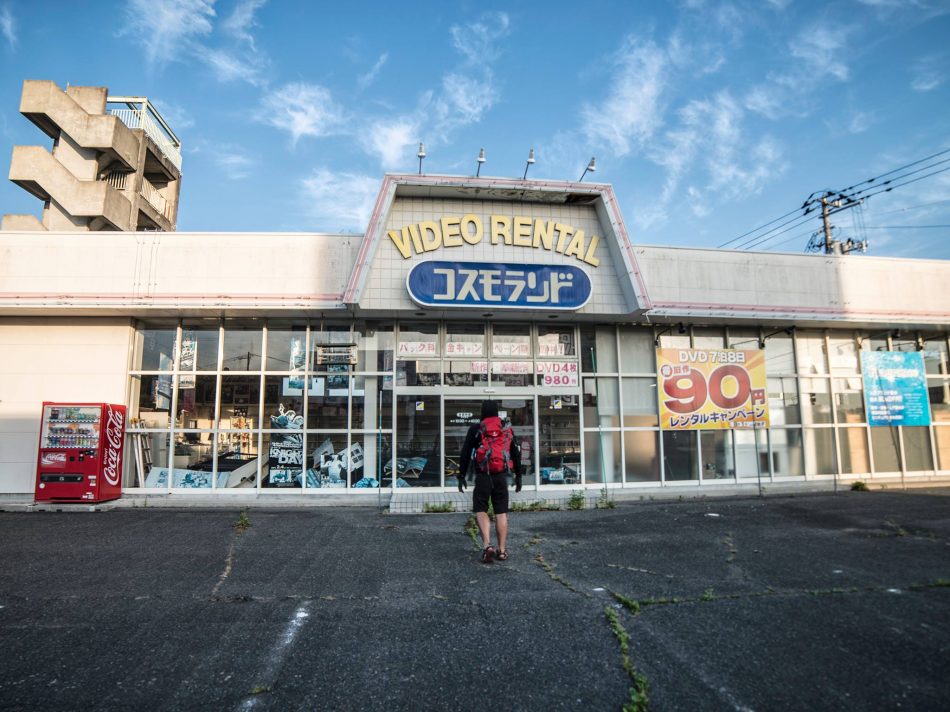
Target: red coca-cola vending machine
x=80, y=457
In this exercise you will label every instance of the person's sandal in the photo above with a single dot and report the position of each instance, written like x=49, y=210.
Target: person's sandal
x=488, y=554
x=502, y=555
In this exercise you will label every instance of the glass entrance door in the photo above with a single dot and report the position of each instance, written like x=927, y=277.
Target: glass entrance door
x=461, y=413
x=560, y=447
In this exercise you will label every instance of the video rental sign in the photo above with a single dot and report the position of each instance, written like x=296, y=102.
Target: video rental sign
x=712, y=389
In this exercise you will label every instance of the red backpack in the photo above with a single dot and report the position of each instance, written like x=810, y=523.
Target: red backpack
x=493, y=454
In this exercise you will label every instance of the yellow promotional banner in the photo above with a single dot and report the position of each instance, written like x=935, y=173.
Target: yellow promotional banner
x=712, y=389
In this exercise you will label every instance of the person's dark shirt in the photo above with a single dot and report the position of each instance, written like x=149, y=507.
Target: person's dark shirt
x=472, y=438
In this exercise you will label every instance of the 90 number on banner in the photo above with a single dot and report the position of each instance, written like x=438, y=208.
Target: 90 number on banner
x=688, y=389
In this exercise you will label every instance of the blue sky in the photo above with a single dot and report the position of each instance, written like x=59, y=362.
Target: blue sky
x=708, y=118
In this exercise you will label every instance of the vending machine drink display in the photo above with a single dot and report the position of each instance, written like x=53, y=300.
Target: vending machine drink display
x=80, y=455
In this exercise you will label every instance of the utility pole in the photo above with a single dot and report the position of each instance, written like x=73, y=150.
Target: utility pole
x=823, y=241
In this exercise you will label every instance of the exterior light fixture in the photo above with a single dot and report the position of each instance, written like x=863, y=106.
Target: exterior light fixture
x=421, y=155
x=591, y=167
x=528, y=164
x=480, y=160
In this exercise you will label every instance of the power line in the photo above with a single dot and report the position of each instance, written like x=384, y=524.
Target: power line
x=890, y=188
x=895, y=170
x=904, y=227
x=756, y=242
x=735, y=239
x=913, y=207
x=901, y=177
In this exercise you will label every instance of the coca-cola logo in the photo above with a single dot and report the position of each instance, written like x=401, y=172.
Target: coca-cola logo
x=113, y=454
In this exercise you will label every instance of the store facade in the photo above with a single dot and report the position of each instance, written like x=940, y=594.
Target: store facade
x=355, y=363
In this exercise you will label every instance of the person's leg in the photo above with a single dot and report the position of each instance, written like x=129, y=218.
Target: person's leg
x=501, y=528
x=484, y=527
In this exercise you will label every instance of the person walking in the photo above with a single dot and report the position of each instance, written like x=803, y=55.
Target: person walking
x=490, y=447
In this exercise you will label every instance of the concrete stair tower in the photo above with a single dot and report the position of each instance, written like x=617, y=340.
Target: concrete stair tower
x=115, y=164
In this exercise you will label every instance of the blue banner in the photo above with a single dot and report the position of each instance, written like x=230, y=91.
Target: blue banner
x=498, y=285
x=895, y=388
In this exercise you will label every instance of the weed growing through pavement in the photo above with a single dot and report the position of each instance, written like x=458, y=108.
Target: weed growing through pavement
x=438, y=507
x=605, y=502
x=707, y=595
x=243, y=522
x=576, y=500
x=637, y=700
x=859, y=486
x=471, y=528
x=538, y=505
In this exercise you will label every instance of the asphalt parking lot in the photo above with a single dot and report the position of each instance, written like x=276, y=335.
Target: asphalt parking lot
x=799, y=603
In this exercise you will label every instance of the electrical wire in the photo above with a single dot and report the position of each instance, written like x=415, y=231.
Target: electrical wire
x=895, y=170
x=913, y=207
x=757, y=242
x=904, y=227
x=736, y=239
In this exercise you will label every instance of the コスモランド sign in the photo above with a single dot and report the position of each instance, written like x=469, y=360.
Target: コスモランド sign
x=498, y=285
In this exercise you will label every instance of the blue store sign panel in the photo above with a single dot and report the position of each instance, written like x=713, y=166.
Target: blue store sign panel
x=895, y=388
x=498, y=285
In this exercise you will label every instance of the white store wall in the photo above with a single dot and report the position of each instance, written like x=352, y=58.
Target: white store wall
x=53, y=359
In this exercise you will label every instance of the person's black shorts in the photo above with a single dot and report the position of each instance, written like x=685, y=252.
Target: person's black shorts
x=490, y=487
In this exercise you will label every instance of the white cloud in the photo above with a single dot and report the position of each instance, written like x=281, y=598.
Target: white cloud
x=302, y=110
x=928, y=73
x=241, y=21
x=176, y=116
x=233, y=162
x=8, y=26
x=390, y=141
x=632, y=111
x=820, y=47
x=339, y=201
x=366, y=79
x=861, y=121
x=228, y=67
x=468, y=98
x=165, y=27
x=477, y=41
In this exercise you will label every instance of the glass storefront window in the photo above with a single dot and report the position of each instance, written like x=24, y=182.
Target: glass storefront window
x=601, y=403
x=282, y=465
x=602, y=457
x=641, y=455
x=331, y=335
x=142, y=448
x=286, y=348
x=237, y=460
x=511, y=341
x=787, y=455
x=939, y=390
x=639, y=403
x=375, y=345
x=418, y=341
x=706, y=338
x=679, y=455
x=849, y=400
x=283, y=403
x=331, y=462
x=328, y=400
x=843, y=354
x=559, y=451
x=240, y=402
x=196, y=401
x=199, y=347
x=464, y=341
x=820, y=449
x=783, y=401
x=466, y=373
x=418, y=441
x=884, y=445
x=917, y=448
x=155, y=348
x=242, y=348
x=779, y=355
x=598, y=349
x=418, y=373
x=151, y=398
x=935, y=355
x=512, y=373
x=816, y=400
x=810, y=352
x=853, y=446
x=752, y=452
x=637, y=350
x=371, y=404
x=555, y=342
x=717, y=458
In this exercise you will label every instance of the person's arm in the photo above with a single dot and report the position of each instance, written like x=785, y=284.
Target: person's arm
x=465, y=457
x=515, y=455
